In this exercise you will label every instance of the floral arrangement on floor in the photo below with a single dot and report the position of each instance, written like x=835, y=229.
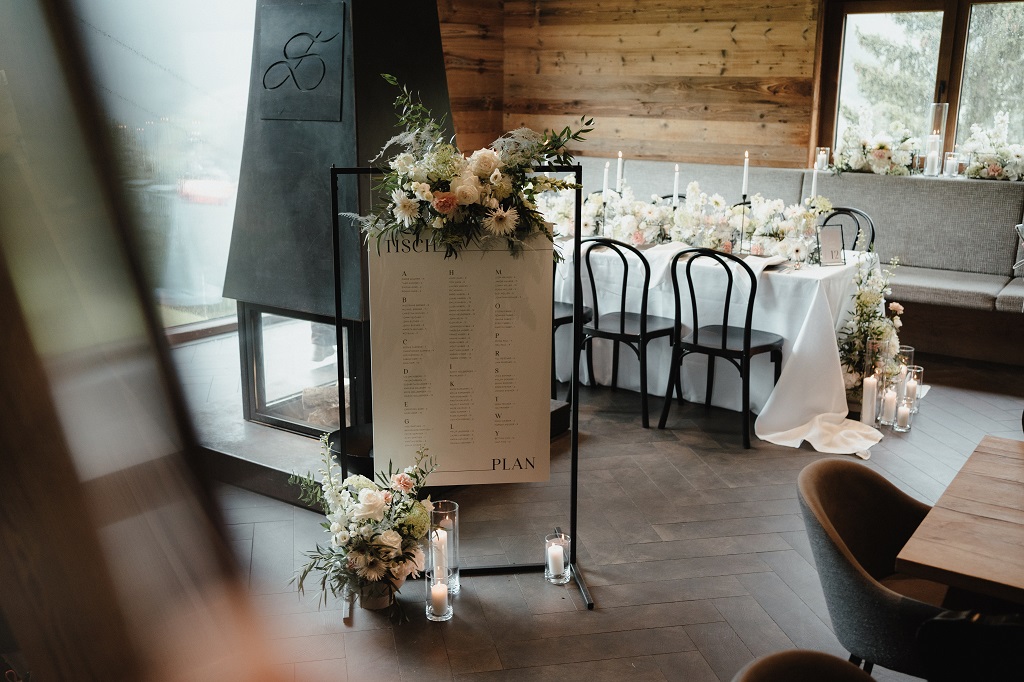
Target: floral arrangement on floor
x=871, y=319
x=433, y=192
x=376, y=530
x=992, y=156
x=884, y=153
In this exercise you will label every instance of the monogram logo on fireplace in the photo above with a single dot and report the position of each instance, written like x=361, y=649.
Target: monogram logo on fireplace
x=302, y=66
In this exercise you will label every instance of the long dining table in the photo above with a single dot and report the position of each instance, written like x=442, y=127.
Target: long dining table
x=805, y=305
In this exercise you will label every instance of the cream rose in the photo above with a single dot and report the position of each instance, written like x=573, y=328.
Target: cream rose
x=483, y=162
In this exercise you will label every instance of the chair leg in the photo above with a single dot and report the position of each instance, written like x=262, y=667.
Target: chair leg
x=777, y=361
x=868, y=665
x=591, y=381
x=643, y=384
x=615, y=365
x=856, y=660
x=673, y=384
x=745, y=409
x=711, y=383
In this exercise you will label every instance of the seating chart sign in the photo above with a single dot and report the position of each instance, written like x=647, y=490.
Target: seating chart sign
x=460, y=351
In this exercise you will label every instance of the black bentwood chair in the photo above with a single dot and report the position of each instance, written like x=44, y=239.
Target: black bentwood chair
x=634, y=330
x=561, y=313
x=738, y=345
x=857, y=224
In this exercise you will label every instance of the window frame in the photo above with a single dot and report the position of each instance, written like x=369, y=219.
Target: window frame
x=949, y=73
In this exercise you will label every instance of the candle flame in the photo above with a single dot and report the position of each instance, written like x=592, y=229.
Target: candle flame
x=746, y=155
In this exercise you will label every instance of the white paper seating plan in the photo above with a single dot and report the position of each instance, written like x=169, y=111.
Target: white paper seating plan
x=804, y=305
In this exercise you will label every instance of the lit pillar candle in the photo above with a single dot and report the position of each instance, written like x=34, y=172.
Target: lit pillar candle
x=439, y=597
x=556, y=560
x=889, y=406
x=931, y=161
x=911, y=389
x=604, y=188
x=675, y=187
x=901, y=383
x=746, y=171
x=870, y=397
x=814, y=183
x=822, y=161
x=903, y=416
x=618, y=175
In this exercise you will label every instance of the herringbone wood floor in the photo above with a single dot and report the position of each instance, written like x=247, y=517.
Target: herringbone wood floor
x=693, y=548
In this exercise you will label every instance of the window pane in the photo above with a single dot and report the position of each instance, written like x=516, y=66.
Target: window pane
x=174, y=78
x=888, y=71
x=993, y=78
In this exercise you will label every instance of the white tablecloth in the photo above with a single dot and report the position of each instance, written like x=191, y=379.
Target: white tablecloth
x=805, y=306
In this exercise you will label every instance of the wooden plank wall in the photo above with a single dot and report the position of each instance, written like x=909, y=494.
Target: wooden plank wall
x=664, y=79
x=472, y=38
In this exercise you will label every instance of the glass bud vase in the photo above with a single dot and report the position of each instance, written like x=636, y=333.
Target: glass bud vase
x=444, y=542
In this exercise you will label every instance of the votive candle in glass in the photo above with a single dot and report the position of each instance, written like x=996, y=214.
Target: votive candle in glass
x=915, y=386
x=903, y=416
x=556, y=559
x=439, y=604
x=821, y=158
x=888, y=407
x=444, y=541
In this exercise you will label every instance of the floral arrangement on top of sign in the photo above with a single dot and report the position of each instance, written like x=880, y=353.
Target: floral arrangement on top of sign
x=376, y=530
x=992, y=155
x=883, y=153
x=872, y=319
x=433, y=192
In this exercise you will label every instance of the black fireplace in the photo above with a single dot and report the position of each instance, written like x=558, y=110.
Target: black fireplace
x=317, y=99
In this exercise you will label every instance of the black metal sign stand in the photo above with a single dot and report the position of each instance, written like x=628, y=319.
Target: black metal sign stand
x=577, y=337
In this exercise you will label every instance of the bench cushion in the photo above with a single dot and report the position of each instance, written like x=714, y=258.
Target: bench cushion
x=946, y=287
x=1011, y=298
x=962, y=225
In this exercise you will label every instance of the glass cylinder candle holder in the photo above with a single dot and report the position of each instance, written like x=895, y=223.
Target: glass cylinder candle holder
x=439, y=603
x=557, y=570
x=903, y=416
x=889, y=403
x=444, y=542
x=821, y=156
x=951, y=166
x=915, y=384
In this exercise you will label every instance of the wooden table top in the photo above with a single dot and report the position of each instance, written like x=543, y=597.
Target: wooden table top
x=973, y=537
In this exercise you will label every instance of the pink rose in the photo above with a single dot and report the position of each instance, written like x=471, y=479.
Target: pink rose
x=880, y=154
x=387, y=497
x=896, y=308
x=444, y=202
x=994, y=169
x=756, y=250
x=402, y=481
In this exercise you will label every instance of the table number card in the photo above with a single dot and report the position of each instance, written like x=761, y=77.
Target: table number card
x=460, y=351
x=830, y=244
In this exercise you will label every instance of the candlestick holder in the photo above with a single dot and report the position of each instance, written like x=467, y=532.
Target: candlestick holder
x=444, y=542
x=557, y=569
x=439, y=603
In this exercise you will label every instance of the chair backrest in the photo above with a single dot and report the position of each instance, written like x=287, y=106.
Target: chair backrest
x=732, y=267
x=628, y=257
x=801, y=665
x=856, y=223
x=857, y=522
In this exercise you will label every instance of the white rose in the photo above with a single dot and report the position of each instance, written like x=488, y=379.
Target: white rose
x=390, y=538
x=483, y=162
x=422, y=191
x=466, y=189
x=371, y=505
